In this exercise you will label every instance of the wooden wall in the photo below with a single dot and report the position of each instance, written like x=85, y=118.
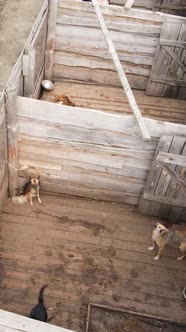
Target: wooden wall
x=172, y=7
x=85, y=152
x=81, y=52
x=3, y=153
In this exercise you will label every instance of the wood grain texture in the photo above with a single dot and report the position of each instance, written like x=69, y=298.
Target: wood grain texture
x=81, y=52
x=86, y=152
x=10, y=322
x=167, y=180
x=49, y=52
x=167, y=77
x=86, y=251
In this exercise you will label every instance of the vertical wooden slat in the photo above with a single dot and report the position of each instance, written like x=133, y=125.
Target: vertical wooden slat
x=176, y=191
x=164, y=196
x=153, y=177
x=49, y=53
x=162, y=210
x=164, y=66
x=29, y=72
x=12, y=138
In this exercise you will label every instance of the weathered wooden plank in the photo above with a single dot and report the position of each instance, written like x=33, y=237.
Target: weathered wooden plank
x=90, y=119
x=12, y=139
x=175, y=57
x=3, y=190
x=37, y=91
x=165, y=178
x=162, y=60
x=154, y=175
x=29, y=72
x=81, y=191
x=149, y=30
x=169, y=81
x=174, y=43
x=93, y=62
x=164, y=200
x=92, y=154
x=13, y=322
x=112, y=11
x=50, y=38
x=135, y=38
x=171, y=158
x=97, y=76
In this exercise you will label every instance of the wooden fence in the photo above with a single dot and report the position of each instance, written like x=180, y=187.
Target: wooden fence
x=3, y=153
x=177, y=7
x=85, y=152
x=81, y=52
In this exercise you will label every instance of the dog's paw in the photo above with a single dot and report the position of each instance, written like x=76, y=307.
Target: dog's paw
x=31, y=203
x=151, y=248
x=180, y=258
x=156, y=258
x=39, y=200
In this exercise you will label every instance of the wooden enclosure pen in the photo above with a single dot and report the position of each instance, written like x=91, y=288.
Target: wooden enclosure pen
x=110, y=167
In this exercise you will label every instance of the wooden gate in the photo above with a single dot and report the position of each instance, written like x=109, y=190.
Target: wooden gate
x=168, y=74
x=165, y=190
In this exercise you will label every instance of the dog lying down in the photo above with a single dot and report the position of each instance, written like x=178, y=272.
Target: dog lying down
x=164, y=237
x=64, y=99
x=30, y=190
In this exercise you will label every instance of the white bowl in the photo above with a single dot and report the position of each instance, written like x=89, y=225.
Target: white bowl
x=47, y=85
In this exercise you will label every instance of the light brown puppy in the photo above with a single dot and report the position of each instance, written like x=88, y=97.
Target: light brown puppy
x=163, y=237
x=64, y=99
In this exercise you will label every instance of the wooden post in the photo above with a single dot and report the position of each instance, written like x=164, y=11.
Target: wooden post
x=10, y=95
x=129, y=4
x=49, y=53
x=28, y=72
x=121, y=74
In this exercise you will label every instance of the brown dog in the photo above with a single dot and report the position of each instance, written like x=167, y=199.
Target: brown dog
x=163, y=237
x=64, y=99
x=31, y=189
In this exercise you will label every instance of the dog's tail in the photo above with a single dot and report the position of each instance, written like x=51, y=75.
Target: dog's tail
x=20, y=199
x=40, y=297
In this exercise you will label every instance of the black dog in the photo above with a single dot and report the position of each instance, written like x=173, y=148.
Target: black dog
x=39, y=311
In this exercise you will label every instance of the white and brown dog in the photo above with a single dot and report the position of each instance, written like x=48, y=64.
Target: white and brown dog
x=163, y=237
x=64, y=99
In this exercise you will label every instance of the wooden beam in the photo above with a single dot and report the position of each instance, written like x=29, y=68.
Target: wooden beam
x=121, y=74
x=175, y=57
x=172, y=173
x=129, y=4
x=173, y=43
x=164, y=200
x=171, y=158
x=10, y=95
x=168, y=81
x=49, y=53
x=29, y=72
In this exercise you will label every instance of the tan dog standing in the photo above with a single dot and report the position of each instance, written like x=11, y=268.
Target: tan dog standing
x=163, y=237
